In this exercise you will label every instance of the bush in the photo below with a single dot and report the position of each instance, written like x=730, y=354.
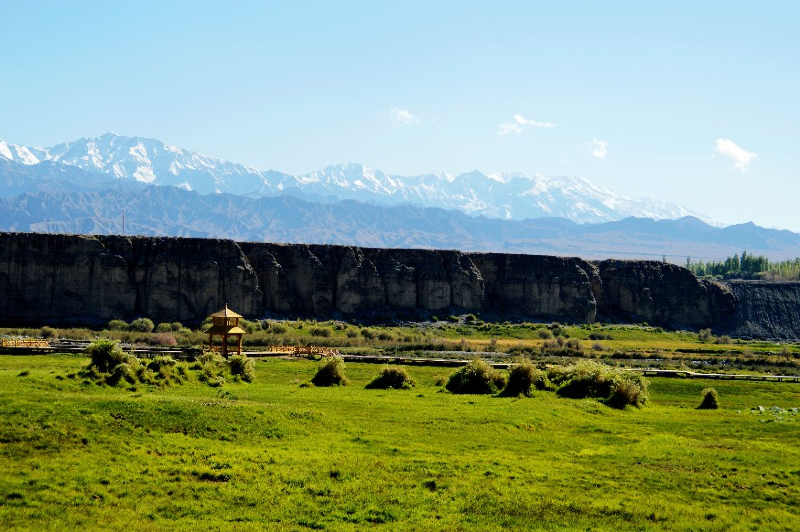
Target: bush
x=614, y=387
x=165, y=339
x=330, y=373
x=125, y=372
x=47, y=332
x=105, y=355
x=117, y=325
x=242, y=367
x=391, y=377
x=544, y=334
x=477, y=377
x=523, y=378
x=710, y=399
x=144, y=325
x=321, y=331
x=705, y=335
x=368, y=334
x=164, y=328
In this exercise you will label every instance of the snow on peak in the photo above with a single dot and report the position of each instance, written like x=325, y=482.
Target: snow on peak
x=498, y=195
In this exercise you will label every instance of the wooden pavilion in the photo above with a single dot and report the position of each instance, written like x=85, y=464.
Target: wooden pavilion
x=225, y=324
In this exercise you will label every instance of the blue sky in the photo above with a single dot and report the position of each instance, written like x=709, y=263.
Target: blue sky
x=691, y=102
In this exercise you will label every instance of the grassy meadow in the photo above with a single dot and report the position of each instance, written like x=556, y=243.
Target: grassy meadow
x=276, y=454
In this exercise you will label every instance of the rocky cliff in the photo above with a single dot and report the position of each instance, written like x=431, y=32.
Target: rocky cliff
x=70, y=278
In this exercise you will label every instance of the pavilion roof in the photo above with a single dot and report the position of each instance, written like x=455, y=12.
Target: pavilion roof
x=225, y=329
x=226, y=313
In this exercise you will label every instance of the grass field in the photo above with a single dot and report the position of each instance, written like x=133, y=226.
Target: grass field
x=274, y=455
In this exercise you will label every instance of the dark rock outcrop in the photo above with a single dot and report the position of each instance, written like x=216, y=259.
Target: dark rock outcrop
x=660, y=293
x=763, y=310
x=92, y=279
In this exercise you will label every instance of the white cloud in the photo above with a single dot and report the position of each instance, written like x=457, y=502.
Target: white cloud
x=402, y=117
x=599, y=148
x=734, y=153
x=519, y=123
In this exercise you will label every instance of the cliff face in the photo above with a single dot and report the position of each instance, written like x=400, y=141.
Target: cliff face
x=94, y=279
x=663, y=294
x=51, y=278
x=763, y=310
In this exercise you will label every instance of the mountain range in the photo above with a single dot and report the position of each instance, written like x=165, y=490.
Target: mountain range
x=512, y=196
x=114, y=184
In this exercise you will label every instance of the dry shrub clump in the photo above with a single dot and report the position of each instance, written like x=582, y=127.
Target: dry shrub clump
x=391, y=377
x=477, y=377
x=330, y=373
x=523, y=378
x=111, y=366
x=614, y=387
x=710, y=399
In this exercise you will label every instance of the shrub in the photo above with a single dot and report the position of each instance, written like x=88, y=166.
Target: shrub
x=705, y=335
x=117, y=325
x=710, y=399
x=105, y=355
x=47, y=332
x=391, y=377
x=368, y=334
x=125, y=372
x=544, y=334
x=330, y=373
x=384, y=336
x=614, y=387
x=477, y=377
x=242, y=367
x=165, y=339
x=600, y=336
x=470, y=318
x=523, y=378
x=164, y=328
x=351, y=333
x=321, y=331
x=725, y=340
x=144, y=325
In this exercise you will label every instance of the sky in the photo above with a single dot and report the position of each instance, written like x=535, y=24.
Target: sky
x=690, y=102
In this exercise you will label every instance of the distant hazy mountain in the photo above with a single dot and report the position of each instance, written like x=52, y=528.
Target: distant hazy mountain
x=172, y=211
x=121, y=159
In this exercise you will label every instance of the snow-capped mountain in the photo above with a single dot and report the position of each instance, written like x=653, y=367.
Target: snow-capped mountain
x=513, y=196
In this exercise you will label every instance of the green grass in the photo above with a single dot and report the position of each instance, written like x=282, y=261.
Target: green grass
x=272, y=455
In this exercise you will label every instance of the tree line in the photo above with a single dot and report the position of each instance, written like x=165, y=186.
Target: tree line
x=747, y=266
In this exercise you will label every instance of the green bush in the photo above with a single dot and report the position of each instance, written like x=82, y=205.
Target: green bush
x=391, y=377
x=117, y=325
x=121, y=373
x=323, y=332
x=612, y=386
x=477, y=377
x=710, y=399
x=144, y=325
x=330, y=373
x=164, y=328
x=105, y=355
x=523, y=378
x=544, y=334
x=243, y=367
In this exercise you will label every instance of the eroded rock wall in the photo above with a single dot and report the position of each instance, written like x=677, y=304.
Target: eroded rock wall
x=70, y=278
x=661, y=294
